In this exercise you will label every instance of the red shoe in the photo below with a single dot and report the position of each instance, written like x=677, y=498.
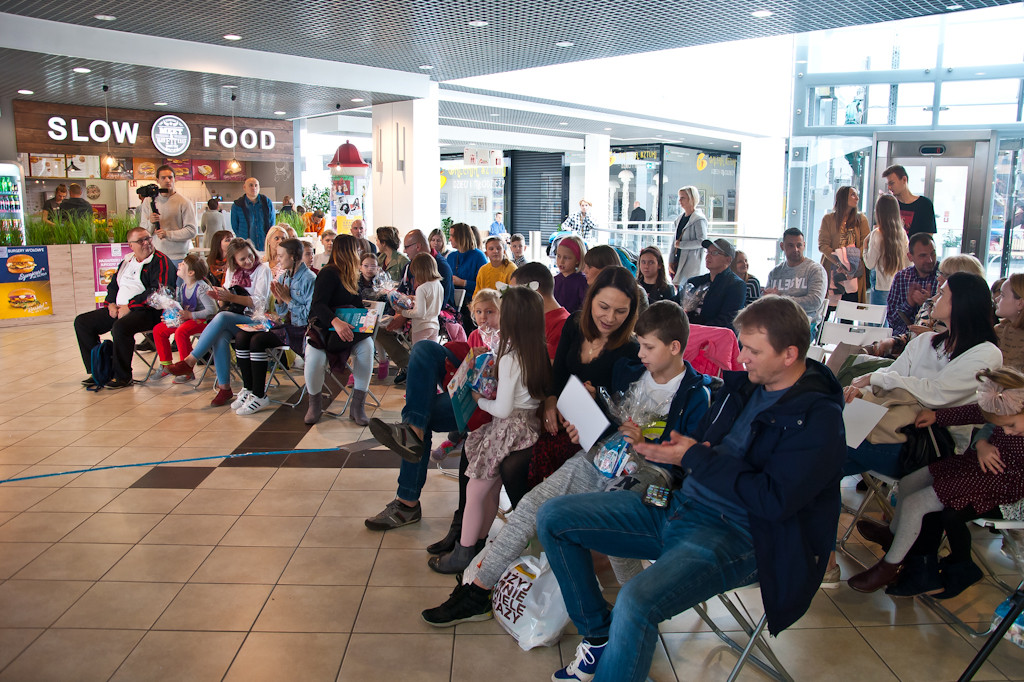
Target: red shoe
x=180, y=368
x=223, y=397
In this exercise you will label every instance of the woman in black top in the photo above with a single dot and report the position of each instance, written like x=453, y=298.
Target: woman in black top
x=337, y=286
x=651, y=276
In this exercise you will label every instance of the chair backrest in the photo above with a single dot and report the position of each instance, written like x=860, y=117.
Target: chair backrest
x=833, y=333
x=458, y=295
x=860, y=312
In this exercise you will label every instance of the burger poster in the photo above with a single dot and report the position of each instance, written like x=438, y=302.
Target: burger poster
x=24, y=282
x=105, y=259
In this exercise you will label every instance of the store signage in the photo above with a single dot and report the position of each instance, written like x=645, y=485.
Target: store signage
x=97, y=131
x=24, y=282
x=248, y=138
x=170, y=135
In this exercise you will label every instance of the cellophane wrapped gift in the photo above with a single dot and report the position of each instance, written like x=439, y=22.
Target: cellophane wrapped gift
x=386, y=288
x=258, y=312
x=163, y=299
x=616, y=457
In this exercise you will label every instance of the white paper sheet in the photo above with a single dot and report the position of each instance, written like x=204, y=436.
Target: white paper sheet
x=581, y=411
x=860, y=417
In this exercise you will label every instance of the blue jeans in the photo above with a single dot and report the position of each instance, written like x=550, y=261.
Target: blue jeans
x=425, y=408
x=883, y=458
x=699, y=554
x=218, y=335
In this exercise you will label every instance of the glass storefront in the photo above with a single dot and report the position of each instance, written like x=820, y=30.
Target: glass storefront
x=472, y=195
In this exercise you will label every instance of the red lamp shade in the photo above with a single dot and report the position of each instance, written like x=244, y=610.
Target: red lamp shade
x=348, y=161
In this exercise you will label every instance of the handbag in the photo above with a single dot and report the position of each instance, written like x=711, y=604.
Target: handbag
x=237, y=308
x=924, y=446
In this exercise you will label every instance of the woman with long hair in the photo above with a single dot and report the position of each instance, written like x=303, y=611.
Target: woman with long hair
x=691, y=231
x=651, y=275
x=885, y=250
x=1010, y=330
x=741, y=266
x=337, y=286
x=275, y=235
x=465, y=261
x=217, y=258
x=845, y=226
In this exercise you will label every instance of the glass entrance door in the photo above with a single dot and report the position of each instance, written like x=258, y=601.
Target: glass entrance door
x=946, y=183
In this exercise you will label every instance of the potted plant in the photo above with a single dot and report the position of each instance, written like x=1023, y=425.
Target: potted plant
x=951, y=244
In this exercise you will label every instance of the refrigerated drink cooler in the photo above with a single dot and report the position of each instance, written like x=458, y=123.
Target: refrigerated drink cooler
x=12, y=205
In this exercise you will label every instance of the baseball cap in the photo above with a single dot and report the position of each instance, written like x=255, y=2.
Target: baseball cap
x=722, y=245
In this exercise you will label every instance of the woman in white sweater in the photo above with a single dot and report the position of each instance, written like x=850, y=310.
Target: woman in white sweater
x=885, y=250
x=428, y=299
x=938, y=369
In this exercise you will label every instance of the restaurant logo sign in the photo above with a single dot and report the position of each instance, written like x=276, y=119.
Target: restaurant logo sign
x=171, y=135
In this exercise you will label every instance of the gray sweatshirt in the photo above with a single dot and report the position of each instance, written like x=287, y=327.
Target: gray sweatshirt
x=804, y=283
x=177, y=219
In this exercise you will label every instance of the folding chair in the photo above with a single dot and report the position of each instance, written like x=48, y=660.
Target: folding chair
x=772, y=666
x=879, y=487
x=865, y=326
x=277, y=356
x=379, y=306
x=151, y=363
x=458, y=296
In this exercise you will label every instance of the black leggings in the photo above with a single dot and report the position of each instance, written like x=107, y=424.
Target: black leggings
x=251, y=352
x=954, y=524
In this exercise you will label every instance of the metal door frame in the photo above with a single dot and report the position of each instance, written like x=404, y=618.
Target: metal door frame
x=981, y=174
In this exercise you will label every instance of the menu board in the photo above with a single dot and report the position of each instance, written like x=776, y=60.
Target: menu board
x=145, y=169
x=205, y=170
x=25, y=282
x=47, y=166
x=82, y=166
x=182, y=168
x=225, y=174
x=121, y=170
x=105, y=259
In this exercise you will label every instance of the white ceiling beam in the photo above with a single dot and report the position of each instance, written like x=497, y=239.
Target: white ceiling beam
x=500, y=139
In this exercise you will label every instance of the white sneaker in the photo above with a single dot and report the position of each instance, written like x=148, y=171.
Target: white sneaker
x=253, y=405
x=241, y=398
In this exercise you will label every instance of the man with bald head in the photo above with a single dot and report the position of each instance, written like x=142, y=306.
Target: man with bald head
x=126, y=312
x=358, y=230
x=252, y=214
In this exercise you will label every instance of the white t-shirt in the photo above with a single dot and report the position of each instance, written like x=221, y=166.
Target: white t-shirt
x=659, y=395
x=129, y=279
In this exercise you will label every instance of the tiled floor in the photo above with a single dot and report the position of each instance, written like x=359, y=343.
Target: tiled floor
x=261, y=569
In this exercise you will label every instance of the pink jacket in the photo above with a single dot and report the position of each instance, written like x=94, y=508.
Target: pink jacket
x=712, y=349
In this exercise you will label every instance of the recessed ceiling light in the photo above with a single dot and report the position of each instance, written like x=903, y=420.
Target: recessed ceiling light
x=953, y=8
x=358, y=99
x=735, y=146
x=495, y=114
x=762, y=13
x=159, y=104
x=426, y=67
x=280, y=113
x=229, y=87
x=232, y=37
x=81, y=69
x=607, y=128
x=563, y=123
x=478, y=23
x=26, y=92
x=564, y=43
x=104, y=17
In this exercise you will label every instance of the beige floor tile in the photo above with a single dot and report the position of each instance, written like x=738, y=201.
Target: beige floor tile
x=286, y=503
x=439, y=504
x=109, y=438
x=20, y=499
x=159, y=563
x=977, y=603
x=12, y=436
x=303, y=479
x=165, y=656
x=329, y=566
x=113, y=605
x=76, y=500
x=37, y=603
x=20, y=454
x=37, y=422
x=214, y=607
x=114, y=528
x=133, y=455
x=189, y=529
x=258, y=565
x=40, y=526
x=425, y=658
x=923, y=653
x=417, y=535
x=275, y=656
x=237, y=478
x=822, y=613
x=367, y=479
x=76, y=422
x=309, y=608
x=340, y=531
x=353, y=503
x=267, y=531
x=479, y=657
x=146, y=500
x=213, y=501
x=15, y=555
x=397, y=609
x=44, y=476
x=1006, y=657
x=406, y=568
x=439, y=483
x=58, y=655
x=690, y=621
x=878, y=608
x=108, y=478
x=229, y=440
x=73, y=561
x=14, y=641
x=80, y=456
x=50, y=437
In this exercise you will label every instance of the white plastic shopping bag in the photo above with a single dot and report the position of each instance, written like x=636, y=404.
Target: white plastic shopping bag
x=528, y=603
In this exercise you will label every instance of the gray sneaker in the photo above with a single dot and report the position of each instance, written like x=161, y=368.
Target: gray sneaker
x=395, y=515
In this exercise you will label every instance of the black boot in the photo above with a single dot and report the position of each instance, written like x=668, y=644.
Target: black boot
x=454, y=561
x=448, y=542
x=920, y=575
x=957, y=577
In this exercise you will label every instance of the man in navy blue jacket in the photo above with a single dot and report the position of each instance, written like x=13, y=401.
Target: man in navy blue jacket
x=720, y=293
x=759, y=502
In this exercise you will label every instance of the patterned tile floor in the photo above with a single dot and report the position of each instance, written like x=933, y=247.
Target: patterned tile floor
x=261, y=569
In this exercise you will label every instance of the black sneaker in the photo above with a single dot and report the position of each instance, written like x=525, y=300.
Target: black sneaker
x=88, y=382
x=395, y=515
x=400, y=377
x=120, y=383
x=466, y=604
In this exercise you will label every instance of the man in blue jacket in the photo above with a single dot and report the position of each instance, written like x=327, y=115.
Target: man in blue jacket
x=252, y=214
x=719, y=294
x=759, y=502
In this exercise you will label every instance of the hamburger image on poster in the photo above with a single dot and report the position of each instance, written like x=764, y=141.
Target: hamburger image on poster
x=22, y=298
x=21, y=264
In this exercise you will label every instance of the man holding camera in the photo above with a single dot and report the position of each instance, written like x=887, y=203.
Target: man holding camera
x=172, y=221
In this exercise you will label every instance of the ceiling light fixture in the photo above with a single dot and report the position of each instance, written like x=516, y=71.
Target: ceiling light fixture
x=735, y=146
x=348, y=161
x=564, y=43
x=478, y=23
x=229, y=87
x=109, y=160
x=233, y=165
x=104, y=17
x=26, y=92
x=563, y=123
x=426, y=67
x=81, y=69
x=495, y=114
x=762, y=13
x=358, y=99
x=159, y=104
x=280, y=113
x=953, y=8
x=232, y=37
x=607, y=128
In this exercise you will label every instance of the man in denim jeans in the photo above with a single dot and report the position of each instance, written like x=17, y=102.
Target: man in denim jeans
x=759, y=502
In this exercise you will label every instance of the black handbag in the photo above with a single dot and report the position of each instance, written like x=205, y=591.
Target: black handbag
x=924, y=446
x=237, y=308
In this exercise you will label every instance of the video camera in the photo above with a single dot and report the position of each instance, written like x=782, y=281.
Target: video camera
x=150, y=191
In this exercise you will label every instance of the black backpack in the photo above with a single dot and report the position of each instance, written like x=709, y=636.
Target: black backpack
x=102, y=360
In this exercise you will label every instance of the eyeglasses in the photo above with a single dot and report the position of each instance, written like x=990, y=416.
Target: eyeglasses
x=144, y=240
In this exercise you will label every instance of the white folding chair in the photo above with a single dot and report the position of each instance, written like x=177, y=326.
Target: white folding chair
x=834, y=333
x=866, y=313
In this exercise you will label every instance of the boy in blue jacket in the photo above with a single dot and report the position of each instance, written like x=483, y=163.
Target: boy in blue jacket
x=662, y=331
x=759, y=502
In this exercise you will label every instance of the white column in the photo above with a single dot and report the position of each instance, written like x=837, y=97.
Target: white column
x=595, y=179
x=406, y=164
x=760, y=208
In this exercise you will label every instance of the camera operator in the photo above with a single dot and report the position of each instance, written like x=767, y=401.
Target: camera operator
x=168, y=216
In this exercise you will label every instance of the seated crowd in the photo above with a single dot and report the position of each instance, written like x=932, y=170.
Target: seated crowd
x=750, y=461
